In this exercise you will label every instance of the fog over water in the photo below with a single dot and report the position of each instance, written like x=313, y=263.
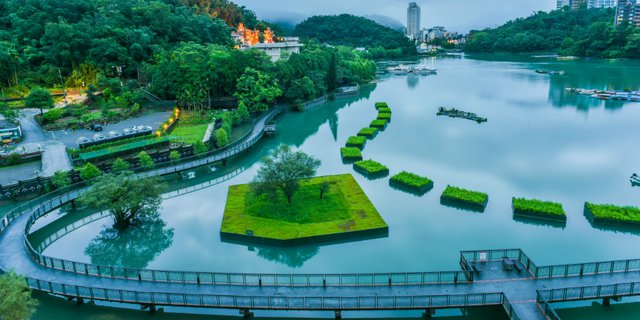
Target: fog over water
x=456, y=15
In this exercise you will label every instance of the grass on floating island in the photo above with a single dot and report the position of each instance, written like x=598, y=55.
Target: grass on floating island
x=412, y=182
x=356, y=142
x=473, y=199
x=538, y=209
x=384, y=110
x=606, y=213
x=368, y=132
x=351, y=154
x=344, y=211
x=380, y=124
x=381, y=105
x=371, y=168
x=384, y=116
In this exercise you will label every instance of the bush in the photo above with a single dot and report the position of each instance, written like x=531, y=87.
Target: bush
x=222, y=138
x=357, y=142
x=199, y=147
x=60, y=179
x=174, y=155
x=89, y=171
x=384, y=116
x=412, y=181
x=380, y=124
x=538, y=209
x=368, y=132
x=371, y=168
x=146, y=162
x=351, y=154
x=613, y=214
x=465, y=197
x=119, y=166
x=53, y=115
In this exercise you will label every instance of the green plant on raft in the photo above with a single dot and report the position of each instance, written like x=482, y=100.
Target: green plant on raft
x=384, y=116
x=351, y=154
x=413, y=181
x=355, y=141
x=381, y=105
x=380, y=124
x=370, y=167
x=384, y=110
x=537, y=208
x=465, y=196
x=368, y=132
x=613, y=214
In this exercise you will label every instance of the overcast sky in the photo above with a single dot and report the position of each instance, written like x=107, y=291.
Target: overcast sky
x=456, y=15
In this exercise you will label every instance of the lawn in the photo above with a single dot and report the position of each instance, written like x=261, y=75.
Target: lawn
x=190, y=134
x=345, y=210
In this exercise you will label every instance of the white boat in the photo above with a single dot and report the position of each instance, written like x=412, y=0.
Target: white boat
x=401, y=69
x=423, y=69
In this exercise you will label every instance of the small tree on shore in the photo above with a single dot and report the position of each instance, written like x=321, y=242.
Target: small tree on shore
x=119, y=166
x=174, y=155
x=125, y=197
x=283, y=171
x=222, y=139
x=145, y=160
x=60, y=179
x=89, y=171
x=16, y=302
x=39, y=98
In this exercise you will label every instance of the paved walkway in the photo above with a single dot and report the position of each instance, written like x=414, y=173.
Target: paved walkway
x=55, y=158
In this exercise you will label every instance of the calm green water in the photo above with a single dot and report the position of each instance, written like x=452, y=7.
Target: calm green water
x=539, y=142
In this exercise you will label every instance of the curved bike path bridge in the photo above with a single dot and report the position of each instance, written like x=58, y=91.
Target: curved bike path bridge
x=525, y=292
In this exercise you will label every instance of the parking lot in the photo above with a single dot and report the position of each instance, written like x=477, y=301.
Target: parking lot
x=71, y=138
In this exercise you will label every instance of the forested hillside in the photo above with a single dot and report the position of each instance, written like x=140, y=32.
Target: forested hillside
x=355, y=31
x=585, y=33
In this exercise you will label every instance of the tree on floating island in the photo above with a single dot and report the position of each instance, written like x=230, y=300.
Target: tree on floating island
x=125, y=197
x=282, y=171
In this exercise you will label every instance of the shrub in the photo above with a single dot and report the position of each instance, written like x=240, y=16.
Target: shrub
x=381, y=105
x=222, y=138
x=199, y=147
x=357, y=142
x=368, y=132
x=53, y=115
x=465, y=197
x=146, y=162
x=412, y=182
x=351, y=154
x=538, y=209
x=613, y=214
x=60, y=179
x=89, y=171
x=380, y=124
x=384, y=116
x=174, y=155
x=119, y=166
x=371, y=168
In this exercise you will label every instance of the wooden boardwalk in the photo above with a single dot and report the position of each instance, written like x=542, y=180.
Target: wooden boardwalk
x=526, y=292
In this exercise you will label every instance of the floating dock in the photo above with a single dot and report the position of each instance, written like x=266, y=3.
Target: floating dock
x=455, y=113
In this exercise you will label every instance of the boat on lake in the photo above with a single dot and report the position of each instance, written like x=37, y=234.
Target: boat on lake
x=417, y=69
x=455, y=113
x=399, y=69
x=551, y=72
x=423, y=69
x=625, y=95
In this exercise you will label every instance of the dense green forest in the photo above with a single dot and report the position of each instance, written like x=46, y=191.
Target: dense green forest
x=584, y=33
x=180, y=49
x=348, y=30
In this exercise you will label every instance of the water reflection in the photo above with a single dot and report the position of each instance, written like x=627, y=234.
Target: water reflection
x=292, y=257
x=134, y=247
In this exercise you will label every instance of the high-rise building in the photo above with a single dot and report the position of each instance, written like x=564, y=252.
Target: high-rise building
x=602, y=3
x=628, y=11
x=413, y=20
x=563, y=3
x=576, y=4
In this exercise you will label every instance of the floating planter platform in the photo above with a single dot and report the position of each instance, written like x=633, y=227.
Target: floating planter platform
x=464, y=199
x=351, y=154
x=380, y=124
x=356, y=142
x=371, y=169
x=384, y=116
x=455, y=113
x=610, y=214
x=537, y=209
x=368, y=132
x=411, y=183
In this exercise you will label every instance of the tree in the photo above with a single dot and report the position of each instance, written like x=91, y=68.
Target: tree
x=60, y=179
x=199, y=147
x=256, y=90
x=39, y=98
x=174, y=155
x=10, y=114
x=125, y=197
x=119, y=166
x=89, y=171
x=324, y=189
x=243, y=112
x=16, y=302
x=283, y=171
x=145, y=160
x=222, y=139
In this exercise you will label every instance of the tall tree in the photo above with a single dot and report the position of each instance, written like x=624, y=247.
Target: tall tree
x=282, y=171
x=16, y=302
x=257, y=90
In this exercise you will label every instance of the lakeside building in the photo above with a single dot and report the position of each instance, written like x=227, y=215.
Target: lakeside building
x=276, y=50
x=413, y=21
x=576, y=4
x=246, y=39
x=628, y=11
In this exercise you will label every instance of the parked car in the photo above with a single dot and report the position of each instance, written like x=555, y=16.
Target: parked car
x=82, y=140
x=98, y=137
x=114, y=134
x=96, y=127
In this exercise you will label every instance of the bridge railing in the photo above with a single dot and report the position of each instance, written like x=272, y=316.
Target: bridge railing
x=589, y=292
x=592, y=268
x=508, y=308
x=271, y=302
x=497, y=255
